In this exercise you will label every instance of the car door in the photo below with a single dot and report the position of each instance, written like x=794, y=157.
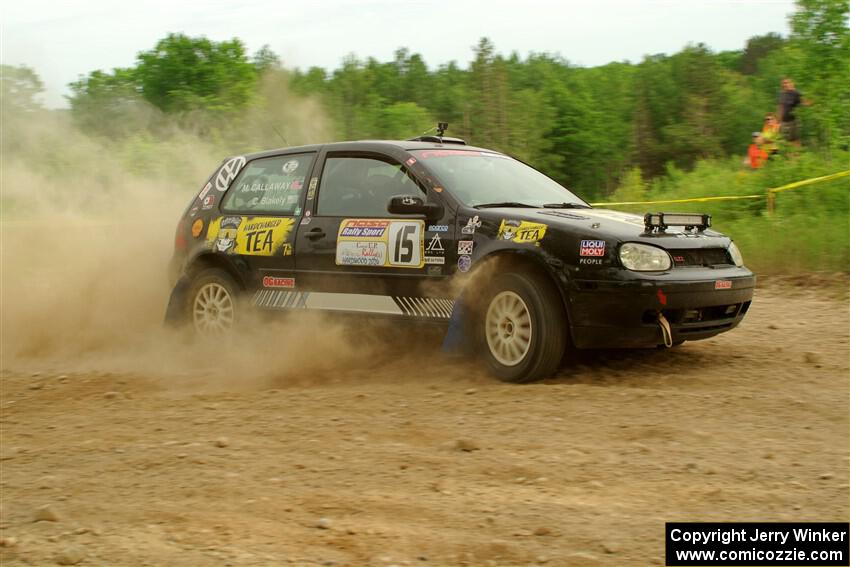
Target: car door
x=258, y=216
x=350, y=246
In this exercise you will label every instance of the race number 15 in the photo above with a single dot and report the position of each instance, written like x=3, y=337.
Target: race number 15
x=406, y=244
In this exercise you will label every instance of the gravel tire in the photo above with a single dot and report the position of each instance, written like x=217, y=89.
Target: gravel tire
x=522, y=327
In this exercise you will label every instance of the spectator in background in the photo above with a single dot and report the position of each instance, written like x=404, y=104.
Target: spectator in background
x=789, y=99
x=755, y=154
x=770, y=134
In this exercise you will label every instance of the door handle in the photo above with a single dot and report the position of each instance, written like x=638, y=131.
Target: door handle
x=315, y=234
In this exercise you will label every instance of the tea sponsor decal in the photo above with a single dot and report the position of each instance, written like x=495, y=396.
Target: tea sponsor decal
x=251, y=236
x=523, y=232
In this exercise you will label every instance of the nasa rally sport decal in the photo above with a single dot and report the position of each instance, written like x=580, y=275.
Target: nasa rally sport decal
x=251, y=236
x=381, y=243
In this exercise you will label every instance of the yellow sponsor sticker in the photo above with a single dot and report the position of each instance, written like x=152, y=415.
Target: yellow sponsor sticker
x=523, y=232
x=251, y=236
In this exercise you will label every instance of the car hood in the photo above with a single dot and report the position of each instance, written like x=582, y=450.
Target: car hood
x=612, y=225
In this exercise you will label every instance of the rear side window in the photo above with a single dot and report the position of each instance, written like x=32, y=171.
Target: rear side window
x=270, y=185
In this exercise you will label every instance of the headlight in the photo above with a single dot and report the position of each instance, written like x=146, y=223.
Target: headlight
x=644, y=258
x=736, y=255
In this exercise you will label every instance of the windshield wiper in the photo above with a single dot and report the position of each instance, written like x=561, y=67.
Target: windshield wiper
x=504, y=204
x=566, y=206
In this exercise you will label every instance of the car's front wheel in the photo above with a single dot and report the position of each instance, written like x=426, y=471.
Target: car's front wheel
x=522, y=327
x=212, y=302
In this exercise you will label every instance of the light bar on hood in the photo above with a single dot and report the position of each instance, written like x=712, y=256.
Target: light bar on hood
x=659, y=222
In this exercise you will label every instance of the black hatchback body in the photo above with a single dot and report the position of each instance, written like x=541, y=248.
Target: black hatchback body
x=400, y=229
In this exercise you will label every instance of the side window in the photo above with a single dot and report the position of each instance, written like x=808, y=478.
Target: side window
x=270, y=185
x=362, y=186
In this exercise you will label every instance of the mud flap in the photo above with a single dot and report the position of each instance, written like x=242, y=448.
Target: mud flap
x=459, y=339
x=175, y=313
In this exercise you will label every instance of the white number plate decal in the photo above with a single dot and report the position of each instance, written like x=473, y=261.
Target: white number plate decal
x=406, y=244
x=380, y=243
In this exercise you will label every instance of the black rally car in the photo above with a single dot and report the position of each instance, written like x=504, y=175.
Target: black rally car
x=401, y=229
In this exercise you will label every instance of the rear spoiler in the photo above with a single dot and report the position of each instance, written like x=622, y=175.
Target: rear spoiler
x=659, y=222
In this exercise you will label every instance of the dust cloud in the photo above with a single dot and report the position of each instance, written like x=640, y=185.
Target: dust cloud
x=87, y=231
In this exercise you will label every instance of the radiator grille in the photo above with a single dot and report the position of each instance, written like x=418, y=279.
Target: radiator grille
x=700, y=257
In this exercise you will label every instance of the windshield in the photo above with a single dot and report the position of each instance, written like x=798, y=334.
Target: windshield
x=481, y=178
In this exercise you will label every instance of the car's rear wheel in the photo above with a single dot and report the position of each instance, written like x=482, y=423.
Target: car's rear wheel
x=213, y=303
x=522, y=327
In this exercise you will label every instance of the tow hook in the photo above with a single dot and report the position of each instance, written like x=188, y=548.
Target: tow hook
x=666, y=333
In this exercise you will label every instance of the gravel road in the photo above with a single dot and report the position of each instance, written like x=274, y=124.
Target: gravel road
x=373, y=454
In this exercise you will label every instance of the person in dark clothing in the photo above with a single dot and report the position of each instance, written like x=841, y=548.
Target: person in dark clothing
x=789, y=99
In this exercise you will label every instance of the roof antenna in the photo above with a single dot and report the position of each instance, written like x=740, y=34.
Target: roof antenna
x=285, y=143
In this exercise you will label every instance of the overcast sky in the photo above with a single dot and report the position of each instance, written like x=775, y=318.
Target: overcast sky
x=64, y=39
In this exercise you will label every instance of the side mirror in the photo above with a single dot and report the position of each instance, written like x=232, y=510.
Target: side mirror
x=413, y=205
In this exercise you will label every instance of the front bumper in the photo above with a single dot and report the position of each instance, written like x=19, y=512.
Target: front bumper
x=624, y=314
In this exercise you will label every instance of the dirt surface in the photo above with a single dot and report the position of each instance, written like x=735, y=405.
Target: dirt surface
x=407, y=459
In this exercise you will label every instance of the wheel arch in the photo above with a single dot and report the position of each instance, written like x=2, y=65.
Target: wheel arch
x=519, y=260
x=507, y=259
x=212, y=260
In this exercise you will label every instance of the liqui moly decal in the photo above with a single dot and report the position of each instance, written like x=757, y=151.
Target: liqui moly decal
x=592, y=248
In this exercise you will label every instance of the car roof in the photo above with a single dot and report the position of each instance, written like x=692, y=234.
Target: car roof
x=368, y=145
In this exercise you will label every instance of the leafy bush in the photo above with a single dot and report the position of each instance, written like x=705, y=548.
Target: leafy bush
x=809, y=230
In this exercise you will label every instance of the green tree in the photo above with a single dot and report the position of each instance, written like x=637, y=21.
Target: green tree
x=489, y=87
x=265, y=59
x=403, y=120
x=449, y=99
x=20, y=88
x=589, y=128
x=820, y=36
x=758, y=47
x=612, y=90
x=201, y=81
x=656, y=107
x=109, y=103
x=310, y=82
x=415, y=79
x=183, y=74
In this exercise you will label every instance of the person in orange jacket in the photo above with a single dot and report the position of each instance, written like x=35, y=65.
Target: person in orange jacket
x=755, y=153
